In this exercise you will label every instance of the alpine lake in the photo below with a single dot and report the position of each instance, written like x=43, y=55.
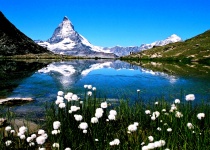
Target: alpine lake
x=114, y=80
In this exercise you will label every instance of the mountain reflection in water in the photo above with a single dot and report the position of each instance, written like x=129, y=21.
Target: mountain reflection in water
x=113, y=79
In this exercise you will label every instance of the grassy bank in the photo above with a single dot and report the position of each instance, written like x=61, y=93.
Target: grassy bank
x=93, y=123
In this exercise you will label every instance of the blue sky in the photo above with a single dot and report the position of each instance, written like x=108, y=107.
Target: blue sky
x=111, y=22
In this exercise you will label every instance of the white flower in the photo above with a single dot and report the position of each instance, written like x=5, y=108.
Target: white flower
x=29, y=139
x=104, y=105
x=85, y=86
x=163, y=110
x=12, y=131
x=114, y=142
x=42, y=148
x=83, y=125
x=94, y=120
x=94, y=88
x=56, y=145
x=177, y=101
x=156, y=103
x=158, y=128
x=40, y=140
x=55, y=132
x=33, y=136
x=84, y=131
x=60, y=93
x=31, y=144
x=23, y=129
x=99, y=112
x=74, y=108
x=132, y=128
x=178, y=114
x=136, y=124
x=89, y=87
x=74, y=97
x=41, y=131
x=78, y=117
x=169, y=129
x=68, y=96
x=190, y=97
x=111, y=117
x=138, y=90
x=62, y=105
x=89, y=93
x=200, y=116
x=147, y=112
x=113, y=112
x=190, y=125
x=22, y=137
x=59, y=100
x=67, y=148
x=8, y=128
x=56, y=125
x=151, y=138
x=8, y=142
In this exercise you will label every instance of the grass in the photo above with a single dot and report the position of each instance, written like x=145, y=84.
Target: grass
x=95, y=124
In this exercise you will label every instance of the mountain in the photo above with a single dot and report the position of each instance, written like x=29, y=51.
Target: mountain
x=14, y=42
x=65, y=40
x=123, y=51
x=194, y=49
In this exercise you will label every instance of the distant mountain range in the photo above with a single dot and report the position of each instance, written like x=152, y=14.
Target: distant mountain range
x=14, y=42
x=65, y=40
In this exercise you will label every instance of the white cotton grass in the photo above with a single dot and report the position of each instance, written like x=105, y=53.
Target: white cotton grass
x=132, y=127
x=56, y=145
x=177, y=101
x=99, y=112
x=147, y=112
x=154, y=145
x=200, y=116
x=78, y=117
x=114, y=142
x=169, y=130
x=178, y=114
x=59, y=100
x=41, y=131
x=8, y=142
x=62, y=105
x=104, y=105
x=151, y=138
x=55, y=132
x=190, y=97
x=94, y=120
x=60, y=93
x=89, y=93
x=8, y=128
x=190, y=125
x=56, y=125
x=83, y=125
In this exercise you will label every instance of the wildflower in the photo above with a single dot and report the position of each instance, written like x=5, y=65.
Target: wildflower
x=33, y=136
x=200, y=116
x=62, y=105
x=56, y=145
x=12, y=131
x=67, y=148
x=78, y=117
x=40, y=140
x=138, y=90
x=68, y=96
x=89, y=93
x=8, y=128
x=96, y=140
x=147, y=112
x=60, y=93
x=54, y=132
x=163, y=110
x=113, y=112
x=156, y=103
x=23, y=129
x=41, y=132
x=104, y=105
x=178, y=114
x=31, y=144
x=8, y=142
x=158, y=128
x=190, y=97
x=190, y=125
x=111, y=117
x=29, y=139
x=74, y=97
x=22, y=137
x=136, y=124
x=56, y=125
x=74, y=108
x=83, y=125
x=59, y=100
x=114, y=142
x=42, y=148
x=169, y=129
x=85, y=86
x=84, y=131
x=89, y=87
x=99, y=112
x=132, y=128
x=151, y=138
x=177, y=101
x=94, y=88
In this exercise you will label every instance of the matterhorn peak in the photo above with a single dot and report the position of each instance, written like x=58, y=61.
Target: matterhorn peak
x=174, y=38
x=64, y=30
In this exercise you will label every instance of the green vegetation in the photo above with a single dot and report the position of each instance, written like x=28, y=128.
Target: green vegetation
x=194, y=49
x=94, y=123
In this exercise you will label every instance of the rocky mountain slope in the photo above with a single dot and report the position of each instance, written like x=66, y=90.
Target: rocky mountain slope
x=65, y=40
x=14, y=42
x=123, y=51
x=193, y=49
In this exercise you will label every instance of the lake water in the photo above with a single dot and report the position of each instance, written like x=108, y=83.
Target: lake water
x=114, y=79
